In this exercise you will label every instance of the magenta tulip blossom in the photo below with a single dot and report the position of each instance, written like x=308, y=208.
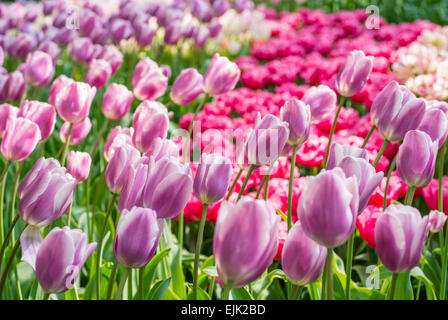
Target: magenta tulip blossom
x=435, y=123
x=148, y=80
x=79, y=165
x=339, y=152
x=20, y=138
x=79, y=131
x=73, y=101
x=39, y=69
x=117, y=101
x=437, y=220
x=99, y=73
x=6, y=111
x=41, y=113
x=187, y=87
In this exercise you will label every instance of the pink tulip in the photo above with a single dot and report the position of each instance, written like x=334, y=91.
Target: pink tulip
x=79, y=165
x=41, y=113
x=20, y=138
x=117, y=101
x=80, y=130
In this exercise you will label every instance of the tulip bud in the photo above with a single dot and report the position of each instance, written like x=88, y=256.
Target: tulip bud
x=120, y=29
x=212, y=178
x=112, y=55
x=6, y=111
x=149, y=122
x=168, y=188
x=396, y=111
x=39, y=69
x=51, y=49
x=117, y=138
x=59, y=258
x=437, y=220
x=201, y=36
x=117, y=101
x=144, y=34
x=245, y=240
x=298, y=116
x=339, y=152
x=416, y=159
x=187, y=87
x=173, y=32
x=45, y=193
x=322, y=101
x=163, y=148
x=21, y=45
x=148, y=80
x=214, y=27
x=137, y=237
x=400, y=233
x=435, y=124
x=331, y=222
x=20, y=138
x=221, y=76
x=79, y=131
x=134, y=183
x=368, y=179
x=302, y=259
x=15, y=86
x=266, y=141
x=354, y=73
x=82, y=50
x=74, y=100
x=123, y=158
x=41, y=113
x=99, y=73
x=57, y=86
x=79, y=165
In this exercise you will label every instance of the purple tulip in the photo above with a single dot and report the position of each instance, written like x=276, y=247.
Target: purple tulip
x=168, y=188
x=117, y=169
x=400, y=233
x=396, y=111
x=166, y=70
x=134, y=184
x=59, y=258
x=15, y=86
x=201, y=36
x=437, y=220
x=117, y=138
x=117, y=101
x=298, y=116
x=266, y=141
x=137, y=237
x=214, y=27
x=202, y=10
x=21, y=45
x=99, y=73
x=73, y=101
x=144, y=34
x=368, y=179
x=220, y=7
x=416, y=158
x=51, y=49
x=163, y=147
x=45, y=193
x=212, y=178
x=187, y=87
x=331, y=222
x=339, y=152
x=150, y=121
x=302, y=259
x=79, y=165
x=6, y=111
x=120, y=29
x=148, y=80
x=435, y=124
x=39, y=69
x=354, y=73
x=20, y=138
x=80, y=130
x=56, y=87
x=221, y=76
x=82, y=50
x=245, y=240
x=322, y=101
x=112, y=55
x=41, y=113
x=173, y=32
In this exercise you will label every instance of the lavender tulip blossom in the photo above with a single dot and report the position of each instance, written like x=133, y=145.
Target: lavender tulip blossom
x=322, y=101
x=435, y=123
x=51, y=49
x=117, y=169
x=20, y=138
x=302, y=259
x=82, y=50
x=298, y=116
x=163, y=147
x=39, y=69
x=79, y=165
x=117, y=101
x=245, y=240
x=416, y=159
x=331, y=222
x=45, y=193
x=59, y=258
x=134, y=185
x=400, y=233
x=212, y=178
x=6, y=111
x=56, y=87
x=339, y=152
x=137, y=237
x=73, y=101
x=41, y=113
x=187, y=87
x=221, y=76
x=148, y=80
x=15, y=86
x=112, y=55
x=99, y=73
x=79, y=131
x=437, y=220
x=118, y=137
x=354, y=73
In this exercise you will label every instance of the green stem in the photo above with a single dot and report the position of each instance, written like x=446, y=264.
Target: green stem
x=249, y=172
x=333, y=128
x=409, y=196
x=441, y=165
x=8, y=266
x=444, y=266
x=295, y=292
x=328, y=270
x=291, y=182
x=5, y=241
x=111, y=281
x=226, y=291
x=124, y=277
x=46, y=296
x=103, y=131
x=393, y=286
x=69, y=214
x=5, y=170
x=66, y=144
x=265, y=179
x=348, y=271
x=386, y=188
x=427, y=244
x=197, y=251
x=234, y=183
x=186, y=150
x=211, y=287
x=2, y=197
x=380, y=153
x=13, y=196
x=141, y=274
x=100, y=244
x=368, y=137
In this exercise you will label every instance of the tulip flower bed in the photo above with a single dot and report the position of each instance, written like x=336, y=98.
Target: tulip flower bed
x=214, y=149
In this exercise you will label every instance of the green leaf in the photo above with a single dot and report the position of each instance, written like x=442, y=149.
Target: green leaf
x=159, y=289
x=202, y=294
x=403, y=289
x=314, y=290
x=211, y=271
x=151, y=268
x=240, y=294
x=419, y=275
x=284, y=217
x=260, y=286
